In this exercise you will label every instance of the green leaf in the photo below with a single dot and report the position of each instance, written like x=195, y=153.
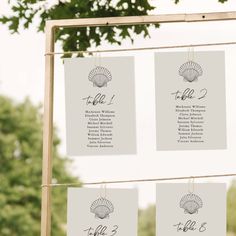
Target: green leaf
x=25, y=12
x=20, y=171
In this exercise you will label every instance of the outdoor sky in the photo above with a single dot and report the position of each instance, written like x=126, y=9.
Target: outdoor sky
x=22, y=74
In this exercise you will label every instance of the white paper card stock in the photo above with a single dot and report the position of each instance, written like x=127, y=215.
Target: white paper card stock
x=201, y=212
x=91, y=213
x=100, y=106
x=190, y=100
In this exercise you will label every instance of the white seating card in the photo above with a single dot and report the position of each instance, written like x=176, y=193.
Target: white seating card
x=190, y=100
x=201, y=212
x=97, y=212
x=100, y=106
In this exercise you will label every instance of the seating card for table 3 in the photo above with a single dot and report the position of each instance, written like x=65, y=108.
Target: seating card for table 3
x=107, y=212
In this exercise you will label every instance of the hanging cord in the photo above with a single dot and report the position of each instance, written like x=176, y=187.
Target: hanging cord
x=103, y=190
x=139, y=49
x=191, y=54
x=138, y=180
x=97, y=59
x=191, y=186
x=188, y=58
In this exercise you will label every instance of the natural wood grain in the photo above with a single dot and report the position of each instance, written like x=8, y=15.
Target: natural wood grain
x=47, y=134
x=150, y=19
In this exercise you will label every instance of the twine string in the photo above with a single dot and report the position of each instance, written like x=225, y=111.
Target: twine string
x=97, y=58
x=103, y=190
x=138, y=180
x=191, y=54
x=191, y=185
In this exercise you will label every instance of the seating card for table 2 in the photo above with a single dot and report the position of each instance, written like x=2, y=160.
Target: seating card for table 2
x=190, y=100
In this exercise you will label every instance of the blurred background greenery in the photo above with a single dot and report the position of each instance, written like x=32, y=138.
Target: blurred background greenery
x=21, y=123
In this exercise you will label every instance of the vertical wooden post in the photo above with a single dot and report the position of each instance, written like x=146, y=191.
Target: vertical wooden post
x=47, y=133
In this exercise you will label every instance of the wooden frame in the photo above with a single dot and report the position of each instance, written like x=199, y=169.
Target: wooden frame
x=49, y=81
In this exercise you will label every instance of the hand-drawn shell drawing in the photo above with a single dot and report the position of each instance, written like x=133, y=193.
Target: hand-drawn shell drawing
x=190, y=71
x=100, y=76
x=191, y=203
x=102, y=208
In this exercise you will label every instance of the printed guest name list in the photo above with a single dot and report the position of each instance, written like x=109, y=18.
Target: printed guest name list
x=100, y=127
x=190, y=123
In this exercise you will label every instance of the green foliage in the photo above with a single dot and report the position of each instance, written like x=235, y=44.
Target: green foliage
x=222, y=1
x=25, y=12
x=147, y=221
x=231, y=208
x=35, y=12
x=20, y=171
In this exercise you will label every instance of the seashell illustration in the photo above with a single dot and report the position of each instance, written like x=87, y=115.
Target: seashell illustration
x=100, y=76
x=102, y=208
x=191, y=203
x=190, y=71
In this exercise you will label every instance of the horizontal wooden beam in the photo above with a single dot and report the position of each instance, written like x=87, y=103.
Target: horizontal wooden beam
x=137, y=20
